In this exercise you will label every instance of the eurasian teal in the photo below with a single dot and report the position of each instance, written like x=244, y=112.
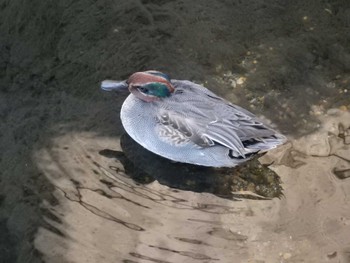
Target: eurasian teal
x=185, y=122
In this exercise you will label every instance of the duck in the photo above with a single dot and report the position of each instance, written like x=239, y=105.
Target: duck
x=186, y=122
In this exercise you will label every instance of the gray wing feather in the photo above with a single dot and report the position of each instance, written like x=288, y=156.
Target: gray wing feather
x=205, y=119
x=225, y=135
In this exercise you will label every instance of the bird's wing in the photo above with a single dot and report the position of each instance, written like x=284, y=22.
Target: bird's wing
x=195, y=114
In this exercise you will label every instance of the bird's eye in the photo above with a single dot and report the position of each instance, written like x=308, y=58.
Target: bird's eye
x=143, y=89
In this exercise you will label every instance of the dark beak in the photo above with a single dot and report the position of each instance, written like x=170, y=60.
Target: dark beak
x=114, y=85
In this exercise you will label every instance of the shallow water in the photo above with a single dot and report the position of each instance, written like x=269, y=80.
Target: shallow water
x=103, y=214
x=69, y=191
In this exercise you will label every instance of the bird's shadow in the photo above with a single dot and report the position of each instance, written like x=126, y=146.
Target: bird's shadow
x=250, y=180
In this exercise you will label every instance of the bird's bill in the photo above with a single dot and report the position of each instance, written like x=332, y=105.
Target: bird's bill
x=113, y=85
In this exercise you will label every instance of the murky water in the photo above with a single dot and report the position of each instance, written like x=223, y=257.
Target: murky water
x=75, y=188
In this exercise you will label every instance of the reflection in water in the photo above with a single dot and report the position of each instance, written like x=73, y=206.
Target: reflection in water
x=251, y=180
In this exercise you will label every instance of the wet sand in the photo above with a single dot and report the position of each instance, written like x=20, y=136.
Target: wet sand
x=61, y=200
